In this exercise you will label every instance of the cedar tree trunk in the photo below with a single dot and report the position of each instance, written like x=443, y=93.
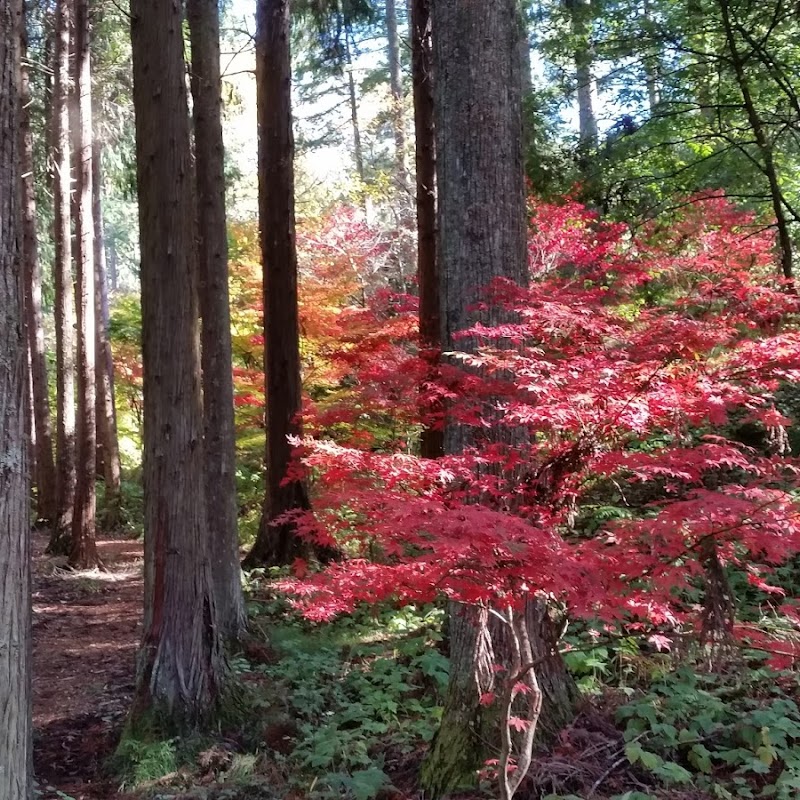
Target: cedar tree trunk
x=181, y=663
x=432, y=439
x=64, y=292
x=45, y=470
x=212, y=237
x=16, y=780
x=580, y=14
x=107, y=438
x=358, y=152
x=482, y=235
x=277, y=542
x=83, y=552
x=396, y=87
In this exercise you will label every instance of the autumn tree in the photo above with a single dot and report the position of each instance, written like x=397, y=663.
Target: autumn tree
x=277, y=542
x=64, y=292
x=16, y=781
x=83, y=550
x=212, y=237
x=182, y=662
x=481, y=236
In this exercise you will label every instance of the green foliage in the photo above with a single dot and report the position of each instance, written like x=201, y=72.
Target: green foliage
x=141, y=760
x=736, y=737
x=354, y=688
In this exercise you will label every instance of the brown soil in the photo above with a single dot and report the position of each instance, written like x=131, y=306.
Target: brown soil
x=86, y=627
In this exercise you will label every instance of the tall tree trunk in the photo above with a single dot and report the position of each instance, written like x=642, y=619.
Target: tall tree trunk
x=762, y=141
x=181, y=663
x=580, y=15
x=277, y=542
x=83, y=550
x=113, y=272
x=30, y=430
x=432, y=439
x=45, y=470
x=396, y=87
x=107, y=438
x=64, y=293
x=16, y=780
x=524, y=44
x=699, y=70
x=212, y=236
x=358, y=151
x=652, y=59
x=482, y=235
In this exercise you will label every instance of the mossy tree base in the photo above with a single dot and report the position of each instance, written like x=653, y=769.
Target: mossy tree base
x=469, y=733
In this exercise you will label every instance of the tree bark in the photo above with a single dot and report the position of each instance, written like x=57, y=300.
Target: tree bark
x=396, y=88
x=277, y=541
x=16, y=780
x=83, y=550
x=181, y=663
x=432, y=438
x=580, y=15
x=524, y=44
x=212, y=236
x=107, y=437
x=45, y=470
x=64, y=293
x=358, y=151
x=652, y=60
x=481, y=236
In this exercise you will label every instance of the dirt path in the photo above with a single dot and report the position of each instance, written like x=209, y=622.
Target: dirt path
x=86, y=626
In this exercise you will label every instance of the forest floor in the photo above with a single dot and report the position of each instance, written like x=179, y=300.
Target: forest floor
x=346, y=709
x=86, y=627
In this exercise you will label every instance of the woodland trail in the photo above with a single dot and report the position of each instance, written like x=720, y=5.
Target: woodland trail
x=86, y=627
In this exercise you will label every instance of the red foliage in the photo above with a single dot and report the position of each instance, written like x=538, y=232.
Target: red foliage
x=626, y=361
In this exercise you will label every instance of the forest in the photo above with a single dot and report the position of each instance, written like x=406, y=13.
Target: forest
x=399, y=400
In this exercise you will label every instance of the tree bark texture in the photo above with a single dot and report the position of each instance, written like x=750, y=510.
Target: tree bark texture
x=652, y=60
x=107, y=437
x=181, y=664
x=482, y=235
x=580, y=14
x=64, y=292
x=396, y=90
x=358, y=151
x=45, y=471
x=524, y=44
x=16, y=780
x=212, y=237
x=83, y=550
x=432, y=439
x=277, y=542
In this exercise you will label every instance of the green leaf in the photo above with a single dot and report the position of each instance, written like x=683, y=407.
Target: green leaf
x=673, y=773
x=633, y=752
x=650, y=760
x=700, y=757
